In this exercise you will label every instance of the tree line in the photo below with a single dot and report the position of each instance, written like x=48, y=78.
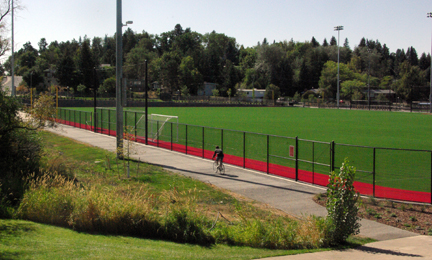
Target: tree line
x=181, y=60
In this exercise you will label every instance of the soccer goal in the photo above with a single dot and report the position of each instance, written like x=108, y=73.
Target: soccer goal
x=158, y=122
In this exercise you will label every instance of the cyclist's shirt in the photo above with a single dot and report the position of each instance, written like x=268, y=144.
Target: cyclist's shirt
x=219, y=153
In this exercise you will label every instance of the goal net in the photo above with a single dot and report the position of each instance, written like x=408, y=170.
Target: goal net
x=159, y=122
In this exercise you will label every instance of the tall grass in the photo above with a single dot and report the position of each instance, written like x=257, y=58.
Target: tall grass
x=55, y=199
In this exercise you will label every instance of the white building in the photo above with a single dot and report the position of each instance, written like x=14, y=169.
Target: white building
x=6, y=84
x=259, y=93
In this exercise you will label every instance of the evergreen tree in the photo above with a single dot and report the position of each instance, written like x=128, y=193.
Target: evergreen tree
x=346, y=43
x=314, y=42
x=362, y=42
x=412, y=56
x=325, y=43
x=333, y=41
x=87, y=66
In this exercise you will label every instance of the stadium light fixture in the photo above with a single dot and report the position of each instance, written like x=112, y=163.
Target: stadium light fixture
x=429, y=15
x=338, y=28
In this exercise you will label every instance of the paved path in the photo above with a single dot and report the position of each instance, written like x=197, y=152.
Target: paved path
x=295, y=198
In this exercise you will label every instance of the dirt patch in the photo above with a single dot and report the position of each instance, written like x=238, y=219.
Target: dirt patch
x=416, y=218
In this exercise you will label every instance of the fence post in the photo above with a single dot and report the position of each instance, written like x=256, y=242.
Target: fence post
x=313, y=162
x=109, y=122
x=101, y=124
x=135, y=126
x=157, y=133
x=222, y=139
x=332, y=157
x=373, y=172
x=125, y=117
x=268, y=154
x=186, y=139
x=244, y=149
x=171, y=137
x=296, y=158
x=203, y=142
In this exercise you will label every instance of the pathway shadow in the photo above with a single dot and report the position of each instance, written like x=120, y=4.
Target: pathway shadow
x=233, y=178
x=374, y=250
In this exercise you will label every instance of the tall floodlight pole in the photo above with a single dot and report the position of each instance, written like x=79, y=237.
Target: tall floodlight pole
x=430, y=92
x=338, y=28
x=13, y=93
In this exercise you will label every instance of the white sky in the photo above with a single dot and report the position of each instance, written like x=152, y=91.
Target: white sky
x=397, y=23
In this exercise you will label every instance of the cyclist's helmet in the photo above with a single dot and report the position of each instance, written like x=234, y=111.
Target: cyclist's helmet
x=217, y=146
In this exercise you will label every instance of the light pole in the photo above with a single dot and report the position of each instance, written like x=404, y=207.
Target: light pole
x=13, y=89
x=119, y=74
x=429, y=15
x=338, y=28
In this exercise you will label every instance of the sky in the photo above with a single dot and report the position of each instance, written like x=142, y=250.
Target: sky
x=397, y=23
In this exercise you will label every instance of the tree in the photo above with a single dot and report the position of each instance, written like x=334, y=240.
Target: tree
x=5, y=8
x=189, y=75
x=169, y=71
x=87, y=66
x=108, y=86
x=328, y=79
x=333, y=41
x=66, y=71
x=272, y=92
x=314, y=42
x=351, y=88
x=42, y=44
x=325, y=43
x=274, y=64
x=410, y=77
x=21, y=147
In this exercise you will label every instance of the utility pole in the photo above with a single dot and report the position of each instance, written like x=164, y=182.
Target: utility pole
x=13, y=90
x=119, y=63
x=119, y=75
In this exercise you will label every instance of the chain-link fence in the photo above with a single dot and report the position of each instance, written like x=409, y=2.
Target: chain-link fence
x=401, y=174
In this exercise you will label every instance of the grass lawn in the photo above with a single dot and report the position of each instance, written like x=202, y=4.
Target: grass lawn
x=28, y=240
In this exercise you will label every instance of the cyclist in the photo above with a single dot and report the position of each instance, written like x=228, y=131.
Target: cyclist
x=219, y=154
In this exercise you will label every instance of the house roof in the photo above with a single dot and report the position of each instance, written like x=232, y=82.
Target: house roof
x=255, y=89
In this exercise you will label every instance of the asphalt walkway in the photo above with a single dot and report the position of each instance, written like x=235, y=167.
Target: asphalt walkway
x=295, y=198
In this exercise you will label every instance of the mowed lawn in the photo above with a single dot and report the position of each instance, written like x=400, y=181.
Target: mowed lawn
x=357, y=127
x=367, y=128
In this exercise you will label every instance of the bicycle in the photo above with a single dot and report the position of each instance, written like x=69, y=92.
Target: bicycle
x=218, y=168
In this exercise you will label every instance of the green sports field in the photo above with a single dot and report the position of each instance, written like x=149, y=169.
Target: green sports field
x=367, y=128
x=357, y=127
x=395, y=169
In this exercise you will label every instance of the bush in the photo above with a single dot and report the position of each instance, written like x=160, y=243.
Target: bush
x=341, y=205
x=20, y=153
x=165, y=96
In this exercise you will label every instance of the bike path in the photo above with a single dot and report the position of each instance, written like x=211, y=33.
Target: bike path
x=294, y=198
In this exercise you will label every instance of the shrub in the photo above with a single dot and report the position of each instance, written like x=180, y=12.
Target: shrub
x=20, y=153
x=341, y=205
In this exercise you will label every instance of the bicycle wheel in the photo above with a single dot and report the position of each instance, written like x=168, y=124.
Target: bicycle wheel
x=215, y=167
x=222, y=169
